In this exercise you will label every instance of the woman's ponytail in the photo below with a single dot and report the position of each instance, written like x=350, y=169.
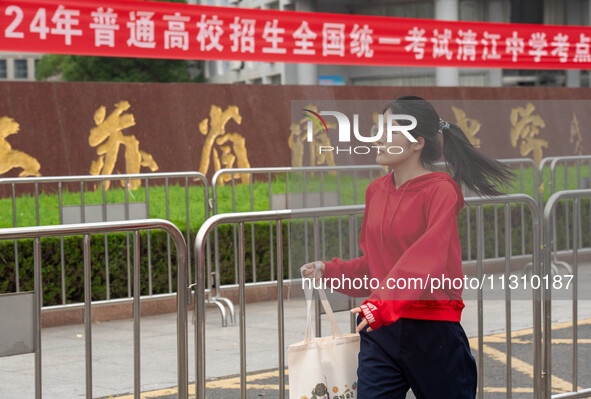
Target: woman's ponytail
x=470, y=167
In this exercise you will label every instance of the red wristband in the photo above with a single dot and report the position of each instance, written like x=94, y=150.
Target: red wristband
x=372, y=315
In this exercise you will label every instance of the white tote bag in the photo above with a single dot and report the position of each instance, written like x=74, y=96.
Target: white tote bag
x=326, y=367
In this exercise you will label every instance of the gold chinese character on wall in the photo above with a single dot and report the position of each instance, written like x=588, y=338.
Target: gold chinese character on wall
x=108, y=136
x=525, y=127
x=470, y=126
x=11, y=159
x=299, y=136
x=575, y=135
x=231, y=147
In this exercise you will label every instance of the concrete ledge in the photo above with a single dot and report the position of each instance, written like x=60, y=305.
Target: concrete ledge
x=106, y=310
x=118, y=309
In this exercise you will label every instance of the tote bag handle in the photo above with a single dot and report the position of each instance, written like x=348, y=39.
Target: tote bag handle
x=336, y=331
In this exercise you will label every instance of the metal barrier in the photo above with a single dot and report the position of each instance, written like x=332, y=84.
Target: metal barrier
x=285, y=200
x=536, y=293
x=106, y=210
x=552, y=163
x=549, y=239
x=520, y=163
x=86, y=229
x=351, y=212
x=241, y=218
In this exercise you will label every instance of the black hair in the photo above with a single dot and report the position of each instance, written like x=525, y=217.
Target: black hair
x=469, y=166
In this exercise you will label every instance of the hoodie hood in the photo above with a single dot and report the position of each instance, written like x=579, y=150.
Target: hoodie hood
x=395, y=195
x=421, y=182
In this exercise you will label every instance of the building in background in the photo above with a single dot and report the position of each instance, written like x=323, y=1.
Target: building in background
x=18, y=66
x=554, y=12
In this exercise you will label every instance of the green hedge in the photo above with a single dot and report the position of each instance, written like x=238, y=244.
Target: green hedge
x=118, y=266
x=74, y=266
x=118, y=263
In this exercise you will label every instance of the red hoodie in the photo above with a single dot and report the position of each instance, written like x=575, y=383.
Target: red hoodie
x=407, y=233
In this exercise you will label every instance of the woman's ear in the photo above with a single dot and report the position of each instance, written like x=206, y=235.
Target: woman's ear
x=420, y=143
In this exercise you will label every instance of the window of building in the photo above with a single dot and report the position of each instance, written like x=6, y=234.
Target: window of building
x=273, y=5
x=20, y=69
x=404, y=9
x=471, y=10
x=585, y=79
x=275, y=79
x=527, y=12
x=212, y=68
x=3, y=74
x=573, y=12
x=258, y=81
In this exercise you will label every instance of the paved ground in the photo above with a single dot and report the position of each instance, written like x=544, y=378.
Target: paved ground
x=63, y=353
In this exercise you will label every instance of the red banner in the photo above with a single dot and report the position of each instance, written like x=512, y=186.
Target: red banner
x=180, y=31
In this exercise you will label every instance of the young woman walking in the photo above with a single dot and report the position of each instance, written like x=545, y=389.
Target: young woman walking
x=411, y=337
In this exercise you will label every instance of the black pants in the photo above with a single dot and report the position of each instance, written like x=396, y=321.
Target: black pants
x=430, y=357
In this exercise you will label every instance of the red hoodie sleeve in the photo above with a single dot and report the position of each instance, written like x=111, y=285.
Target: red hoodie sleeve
x=353, y=268
x=426, y=258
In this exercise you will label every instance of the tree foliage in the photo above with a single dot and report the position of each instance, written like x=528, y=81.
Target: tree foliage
x=77, y=68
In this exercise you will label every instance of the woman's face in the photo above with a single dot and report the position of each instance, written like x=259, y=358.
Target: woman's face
x=399, y=150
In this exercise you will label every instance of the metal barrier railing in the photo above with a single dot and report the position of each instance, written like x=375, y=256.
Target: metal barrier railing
x=536, y=293
x=287, y=199
x=549, y=240
x=107, y=210
x=550, y=164
x=353, y=211
x=242, y=218
x=566, y=162
x=520, y=163
x=86, y=229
